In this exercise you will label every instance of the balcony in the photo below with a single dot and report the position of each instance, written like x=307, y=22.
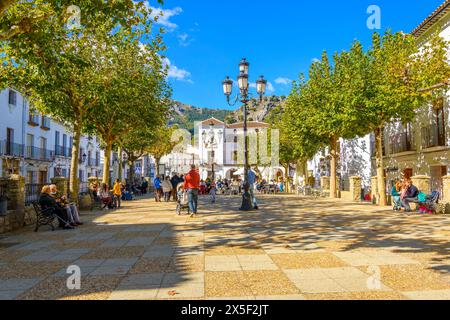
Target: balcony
x=62, y=151
x=11, y=149
x=402, y=142
x=45, y=124
x=432, y=136
x=33, y=119
x=93, y=162
x=39, y=154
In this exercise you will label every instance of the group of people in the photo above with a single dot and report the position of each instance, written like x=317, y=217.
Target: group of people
x=167, y=188
x=404, y=192
x=53, y=202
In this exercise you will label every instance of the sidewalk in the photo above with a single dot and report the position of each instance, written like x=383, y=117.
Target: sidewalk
x=293, y=248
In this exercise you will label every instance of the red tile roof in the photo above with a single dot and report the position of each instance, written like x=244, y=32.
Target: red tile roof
x=440, y=12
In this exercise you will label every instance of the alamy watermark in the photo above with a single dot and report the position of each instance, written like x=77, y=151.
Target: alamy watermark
x=74, y=280
x=74, y=19
x=374, y=19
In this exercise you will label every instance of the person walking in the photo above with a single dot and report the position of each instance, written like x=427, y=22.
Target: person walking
x=251, y=181
x=213, y=191
x=175, y=181
x=158, y=189
x=117, y=192
x=167, y=188
x=192, y=186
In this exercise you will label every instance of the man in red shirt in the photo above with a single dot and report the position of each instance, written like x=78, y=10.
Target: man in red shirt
x=192, y=185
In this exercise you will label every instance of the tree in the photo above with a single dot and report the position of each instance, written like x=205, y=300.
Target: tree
x=332, y=97
x=133, y=91
x=162, y=144
x=27, y=17
x=136, y=143
x=298, y=141
x=55, y=64
x=397, y=72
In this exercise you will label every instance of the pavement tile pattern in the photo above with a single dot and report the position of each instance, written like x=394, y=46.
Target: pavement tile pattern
x=294, y=248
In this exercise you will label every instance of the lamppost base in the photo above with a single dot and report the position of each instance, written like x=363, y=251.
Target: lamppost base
x=246, y=202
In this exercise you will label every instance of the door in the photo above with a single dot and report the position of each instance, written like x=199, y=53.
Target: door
x=9, y=141
x=436, y=174
x=30, y=145
x=43, y=148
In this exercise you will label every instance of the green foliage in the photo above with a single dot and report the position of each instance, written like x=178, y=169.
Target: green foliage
x=192, y=115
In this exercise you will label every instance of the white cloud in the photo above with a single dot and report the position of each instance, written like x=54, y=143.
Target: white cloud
x=184, y=39
x=176, y=73
x=315, y=60
x=165, y=15
x=283, y=80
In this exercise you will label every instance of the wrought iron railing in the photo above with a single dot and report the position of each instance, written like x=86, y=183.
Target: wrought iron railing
x=8, y=148
x=32, y=192
x=34, y=153
x=63, y=151
x=401, y=142
x=432, y=137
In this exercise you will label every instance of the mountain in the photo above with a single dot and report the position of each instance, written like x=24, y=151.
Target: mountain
x=185, y=115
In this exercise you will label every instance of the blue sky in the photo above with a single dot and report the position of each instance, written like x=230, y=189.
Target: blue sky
x=207, y=38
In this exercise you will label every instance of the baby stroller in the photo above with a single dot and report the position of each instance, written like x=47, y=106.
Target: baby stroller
x=430, y=202
x=182, y=200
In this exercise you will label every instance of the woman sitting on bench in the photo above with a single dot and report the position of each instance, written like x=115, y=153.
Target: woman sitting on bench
x=71, y=208
x=47, y=202
x=106, y=197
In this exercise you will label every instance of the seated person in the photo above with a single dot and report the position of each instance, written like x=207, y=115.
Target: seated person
x=71, y=208
x=47, y=202
x=396, y=190
x=411, y=195
x=105, y=196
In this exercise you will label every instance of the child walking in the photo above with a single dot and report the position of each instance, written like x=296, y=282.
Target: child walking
x=212, y=192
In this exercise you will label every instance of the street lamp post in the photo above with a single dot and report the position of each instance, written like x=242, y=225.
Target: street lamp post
x=209, y=140
x=243, y=96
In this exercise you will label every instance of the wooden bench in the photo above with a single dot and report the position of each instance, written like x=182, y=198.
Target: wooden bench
x=44, y=217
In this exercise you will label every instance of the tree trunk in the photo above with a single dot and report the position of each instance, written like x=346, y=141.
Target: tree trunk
x=73, y=183
x=120, y=171
x=106, y=164
x=333, y=168
x=288, y=185
x=382, y=201
x=131, y=175
x=157, y=160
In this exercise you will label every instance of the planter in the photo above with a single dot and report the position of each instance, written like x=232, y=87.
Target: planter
x=3, y=207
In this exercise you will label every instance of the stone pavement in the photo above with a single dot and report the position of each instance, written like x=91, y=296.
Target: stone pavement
x=293, y=248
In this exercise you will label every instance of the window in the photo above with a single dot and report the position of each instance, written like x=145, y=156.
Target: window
x=30, y=145
x=12, y=97
x=33, y=117
x=235, y=156
x=64, y=145
x=42, y=177
x=57, y=141
x=440, y=126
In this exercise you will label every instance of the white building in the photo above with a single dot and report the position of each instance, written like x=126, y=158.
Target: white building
x=221, y=150
x=354, y=160
x=38, y=147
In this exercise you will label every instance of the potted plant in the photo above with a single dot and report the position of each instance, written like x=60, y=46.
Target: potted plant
x=3, y=204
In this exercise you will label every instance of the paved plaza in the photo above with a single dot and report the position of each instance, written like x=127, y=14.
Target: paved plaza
x=293, y=248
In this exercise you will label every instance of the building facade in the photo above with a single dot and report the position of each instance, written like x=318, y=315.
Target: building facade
x=38, y=147
x=422, y=147
x=221, y=150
